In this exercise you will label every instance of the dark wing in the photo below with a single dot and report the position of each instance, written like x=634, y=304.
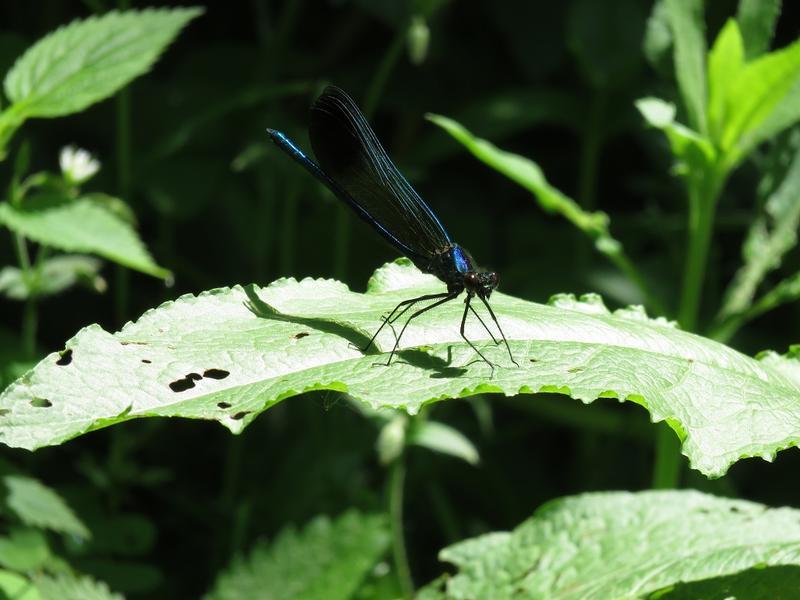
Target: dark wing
x=350, y=154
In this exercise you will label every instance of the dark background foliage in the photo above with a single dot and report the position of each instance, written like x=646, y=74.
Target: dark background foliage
x=219, y=205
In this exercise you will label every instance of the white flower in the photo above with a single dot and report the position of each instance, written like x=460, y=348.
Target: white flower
x=77, y=164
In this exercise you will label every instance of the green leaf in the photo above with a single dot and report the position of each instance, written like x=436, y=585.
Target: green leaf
x=688, y=33
x=73, y=587
x=693, y=151
x=229, y=354
x=763, y=99
x=757, y=21
x=623, y=545
x=88, y=61
x=327, y=560
x=771, y=236
x=54, y=276
x=444, y=439
x=17, y=587
x=81, y=225
x=40, y=506
x=758, y=583
x=658, y=38
x=24, y=549
x=725, y=62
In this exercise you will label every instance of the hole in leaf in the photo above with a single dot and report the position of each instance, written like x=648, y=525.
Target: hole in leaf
x=4, y=411
x=240, y=415
x=533, y=360
x=575, y=369
x=301, y=335
x=195, y=376
x=216, y=373
x=223, y=405
x=41, y=403
x=181, y=385
x=64, y=358
x=146, y=361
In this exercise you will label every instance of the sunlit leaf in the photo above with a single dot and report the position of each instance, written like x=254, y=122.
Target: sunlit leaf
x=229, y=354
x=624, y=546
x=81, y=225
x=326, y=560
x=89, y=60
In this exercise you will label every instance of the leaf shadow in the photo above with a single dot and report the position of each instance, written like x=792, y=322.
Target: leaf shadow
x=263, y=310
x=441, y=368
x=767, y=583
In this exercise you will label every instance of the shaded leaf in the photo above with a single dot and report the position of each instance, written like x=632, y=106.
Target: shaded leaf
x=771, y=236
x=15, y=586
x=623, y=545
x=80, y=225
x=757, y=20
x=73, y=587
x=24, y=549
x=40, y=506
x=229, y=354
x=89, y=60
x=688, y=35
x=55, y=275
x=444, y=439
x=326, y=560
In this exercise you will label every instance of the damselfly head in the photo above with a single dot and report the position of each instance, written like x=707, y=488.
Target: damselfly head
x=480, y=283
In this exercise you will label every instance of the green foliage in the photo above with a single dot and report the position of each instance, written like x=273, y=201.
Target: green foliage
x=80, y=225
x=209, y=357
x=623, y=545
x=685, y=18
x=55, y=275
x=88, y=61
x=326, y=560
x=39, y=506
x=71, y=587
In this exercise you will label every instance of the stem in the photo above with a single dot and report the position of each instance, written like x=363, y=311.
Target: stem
x=704, y=190
x=667, y=467
x=702, y=206
x=29, y=317
x=397, y=477
x=121, y=274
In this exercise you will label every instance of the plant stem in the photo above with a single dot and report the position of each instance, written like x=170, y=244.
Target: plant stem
x=29, y=318
x=397, y=475
x=702, y=205
x=704, y=189
x=121, y=274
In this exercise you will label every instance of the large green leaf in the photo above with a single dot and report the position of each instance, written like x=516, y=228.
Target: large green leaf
x=623, y=546
x=327, y=560
x=688, y=37
x=87, y=61
x=82, y=225
x=229, y=354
